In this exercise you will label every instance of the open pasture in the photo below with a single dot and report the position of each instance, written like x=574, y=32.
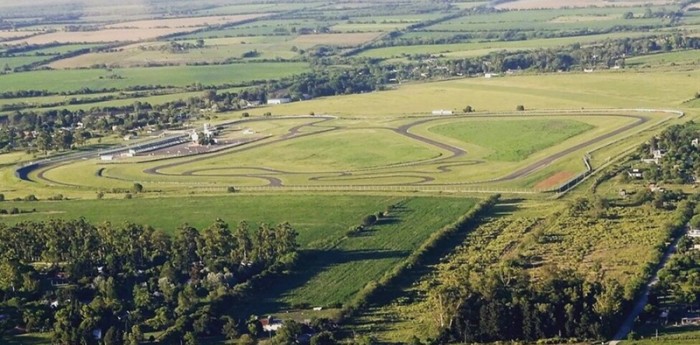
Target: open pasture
x=214, y=50
x=550, y=20
x=68, y=80
x=99, y=36
x=471, y=49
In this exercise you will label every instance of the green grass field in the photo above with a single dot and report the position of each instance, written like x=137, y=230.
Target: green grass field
x=338, y=267
x=339, y=212
x=512, y=140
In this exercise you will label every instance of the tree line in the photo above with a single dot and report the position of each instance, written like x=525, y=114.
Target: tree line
x=79, y=280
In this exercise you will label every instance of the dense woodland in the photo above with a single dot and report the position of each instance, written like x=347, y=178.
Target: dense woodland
x=77, y=279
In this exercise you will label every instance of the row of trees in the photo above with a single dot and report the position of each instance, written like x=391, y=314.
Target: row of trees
x=79, y=279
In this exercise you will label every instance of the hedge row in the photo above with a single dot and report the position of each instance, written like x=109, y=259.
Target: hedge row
x=436, y=240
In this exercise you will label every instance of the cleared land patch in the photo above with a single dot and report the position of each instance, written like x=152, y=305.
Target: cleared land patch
x=555, y=180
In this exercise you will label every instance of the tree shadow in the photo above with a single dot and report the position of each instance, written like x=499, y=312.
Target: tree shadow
x=311, y=263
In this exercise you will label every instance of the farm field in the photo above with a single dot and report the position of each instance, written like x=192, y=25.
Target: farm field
x=483, y=48
x=119, y=79
x=215, y=50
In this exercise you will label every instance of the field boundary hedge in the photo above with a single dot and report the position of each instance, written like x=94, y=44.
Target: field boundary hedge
x=416, y=258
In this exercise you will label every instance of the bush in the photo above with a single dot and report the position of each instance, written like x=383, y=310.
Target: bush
x=246, y=114
x=468, y=109
x=14, y=210
x=56, y=197
x=128, y=196
x=268, y=114
x=100, y=195
x=30, y=197
x=2, y=197
x=369, y=220
x=137, y=188
x=231, y=189
x=520, y=108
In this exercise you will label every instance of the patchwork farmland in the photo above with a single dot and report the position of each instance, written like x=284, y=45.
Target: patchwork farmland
x=358, y=172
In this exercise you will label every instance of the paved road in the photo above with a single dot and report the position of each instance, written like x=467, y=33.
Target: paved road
x=642, y=300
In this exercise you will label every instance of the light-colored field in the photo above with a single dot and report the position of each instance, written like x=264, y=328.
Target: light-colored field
x=186, y=22
x=13, y=34
x=535, y=4
x=578, y=19
x=214, y=50
x=482, y=48
x=344, y=39
x=687, y=57
x=99, y=36
x=97, y=79
x=551, y=91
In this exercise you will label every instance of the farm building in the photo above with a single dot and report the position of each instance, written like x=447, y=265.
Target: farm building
x=278, y=100
x=442, y=112
x=271, y=324
x=635, y=173
x=107, y=157
x=694, y=233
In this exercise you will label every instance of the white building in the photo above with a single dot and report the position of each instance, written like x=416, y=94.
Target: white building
x=106, y=157
x=635, y=173
x=278, y=100
x=442, y=112
x=694, y=233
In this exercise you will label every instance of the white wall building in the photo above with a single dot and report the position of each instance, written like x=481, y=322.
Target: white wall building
x=278, y=100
